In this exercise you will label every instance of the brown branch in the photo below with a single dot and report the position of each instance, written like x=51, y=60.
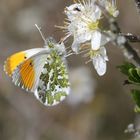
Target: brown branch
x=131, y=37
x=137, y=2
x=120, y=39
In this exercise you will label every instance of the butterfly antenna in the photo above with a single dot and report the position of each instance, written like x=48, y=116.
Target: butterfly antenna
x=42, y=35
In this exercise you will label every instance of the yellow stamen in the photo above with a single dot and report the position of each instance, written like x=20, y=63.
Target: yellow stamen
x=93, y=25
x=111, y=9
x=94, y=53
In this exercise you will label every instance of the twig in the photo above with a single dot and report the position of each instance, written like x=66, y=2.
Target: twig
x=137, y=2
x=119, y=39
x=131, y=37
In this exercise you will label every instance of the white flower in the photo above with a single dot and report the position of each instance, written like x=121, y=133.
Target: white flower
x=84, y=21
x=130, y=128
x=99, y=59
x=72, y=11
x=82, y=86
x=133, y=129
x=111, y=7
x=84, y=24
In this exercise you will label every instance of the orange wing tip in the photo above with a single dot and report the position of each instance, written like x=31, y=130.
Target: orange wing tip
x=13, y=61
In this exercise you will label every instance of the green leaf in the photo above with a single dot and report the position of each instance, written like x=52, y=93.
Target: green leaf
x=138, y=71
x=125, y=68
x=136, y=96
x=133, y=75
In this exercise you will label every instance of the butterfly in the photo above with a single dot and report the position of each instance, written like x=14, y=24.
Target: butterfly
x=42, y=71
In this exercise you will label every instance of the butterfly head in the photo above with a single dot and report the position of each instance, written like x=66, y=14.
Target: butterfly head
x=52, y=45
x=50, y=42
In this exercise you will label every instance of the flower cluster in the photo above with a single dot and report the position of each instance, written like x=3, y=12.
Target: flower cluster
x=84, y=24
x=135, y=130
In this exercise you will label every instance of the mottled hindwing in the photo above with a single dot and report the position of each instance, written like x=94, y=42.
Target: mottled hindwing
x=53, y=84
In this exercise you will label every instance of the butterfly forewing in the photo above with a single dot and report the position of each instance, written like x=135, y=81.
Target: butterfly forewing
x=26, y=75
x=14, y=60
x=53, y=84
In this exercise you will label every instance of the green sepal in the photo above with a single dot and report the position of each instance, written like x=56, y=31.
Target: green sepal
x=126, y=67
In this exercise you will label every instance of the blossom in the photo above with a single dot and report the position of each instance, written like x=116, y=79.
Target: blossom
x=110, y=7
x=99, y=59
x=84, y=24
x=133, y=129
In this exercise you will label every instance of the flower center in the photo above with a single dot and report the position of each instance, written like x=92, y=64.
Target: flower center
x=93, y=25
x=94, y=53
x=111, y=9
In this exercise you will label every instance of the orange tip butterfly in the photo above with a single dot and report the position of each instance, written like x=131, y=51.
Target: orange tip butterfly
x=42, y=71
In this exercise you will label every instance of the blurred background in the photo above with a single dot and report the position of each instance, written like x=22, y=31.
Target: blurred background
x=99, y=108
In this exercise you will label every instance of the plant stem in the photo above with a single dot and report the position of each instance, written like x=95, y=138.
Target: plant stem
x=119, y=39
x=131, y=37
x=137, y=2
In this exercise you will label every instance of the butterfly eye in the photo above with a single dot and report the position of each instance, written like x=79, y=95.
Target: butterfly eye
x=77, y=9
x=25, y=57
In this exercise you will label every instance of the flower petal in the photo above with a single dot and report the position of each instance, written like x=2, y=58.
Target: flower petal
x=75, y=46
x=99, y=64
x=104, y=39
x=78, y=40
x=73, y=11
x=103, y=53
x=96, y=40
x=99, y=61
x=83, y=37
x=97, y=14
x=116, y=13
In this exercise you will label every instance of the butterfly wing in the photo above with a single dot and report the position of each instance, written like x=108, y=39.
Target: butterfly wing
x=26, y=75
x=13, y=61
x=53, y=84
